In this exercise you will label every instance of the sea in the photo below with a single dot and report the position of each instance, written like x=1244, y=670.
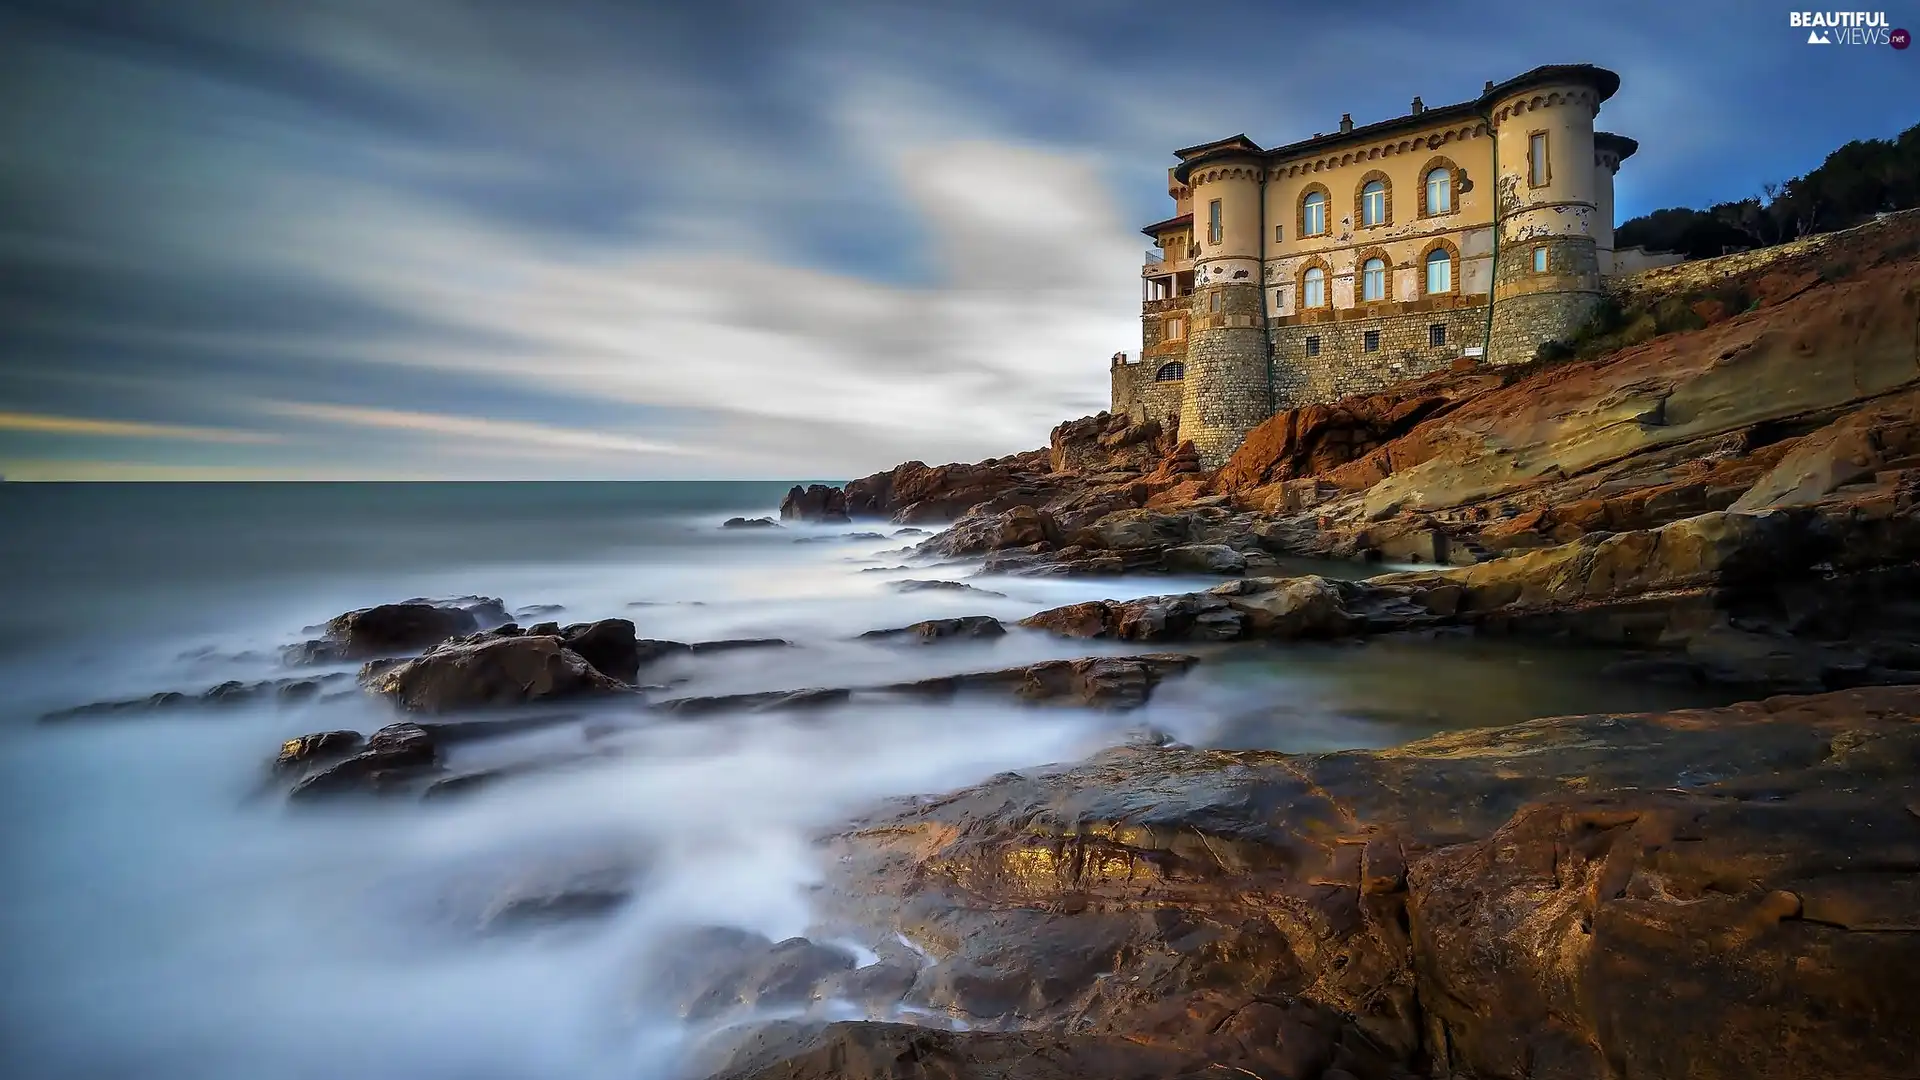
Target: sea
x=167, y=915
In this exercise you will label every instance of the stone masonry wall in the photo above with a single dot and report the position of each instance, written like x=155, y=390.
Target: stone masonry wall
x=1136, y=393
x=1344, y=366
x=1532, y=308
x=1227, y=392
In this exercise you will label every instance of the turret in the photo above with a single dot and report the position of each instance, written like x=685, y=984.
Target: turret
x=1228, y=389
x=1553, y=208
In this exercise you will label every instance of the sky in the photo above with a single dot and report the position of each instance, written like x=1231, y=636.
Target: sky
x=589, y=239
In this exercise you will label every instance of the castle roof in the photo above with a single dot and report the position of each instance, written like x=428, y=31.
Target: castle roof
x=1602, y=80
x=1159, y=227
x=1621, y=146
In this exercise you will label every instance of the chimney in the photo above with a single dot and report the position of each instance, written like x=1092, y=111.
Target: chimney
x=1419, y=106
x=1346, y=123
x=1488, y=89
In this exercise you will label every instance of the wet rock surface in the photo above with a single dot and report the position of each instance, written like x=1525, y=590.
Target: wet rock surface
x=493, y=672
x=395, y=629
x=230, y=693
x=966, y=627
x=1701, y=893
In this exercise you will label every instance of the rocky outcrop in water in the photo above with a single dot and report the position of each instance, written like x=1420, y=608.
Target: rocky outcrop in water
x=493, y=672
x=389, y=630
x=1712, y=893
x=816, y=503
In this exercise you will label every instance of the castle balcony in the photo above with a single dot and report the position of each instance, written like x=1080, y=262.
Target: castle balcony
x=1165, y=304
x=1158, y=265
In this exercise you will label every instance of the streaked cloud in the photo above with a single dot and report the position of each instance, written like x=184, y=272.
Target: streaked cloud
x=480, y=429
x=126, y=429
x=721, y=239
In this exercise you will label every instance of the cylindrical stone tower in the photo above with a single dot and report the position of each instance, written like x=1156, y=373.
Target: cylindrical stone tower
x=1227, y=389
x=1547, y=277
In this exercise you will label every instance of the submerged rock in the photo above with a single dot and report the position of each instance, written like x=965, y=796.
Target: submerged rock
x=927, y=585
x=226, y=694
x=966, y=626
x=749, y=523
x=1104, y=682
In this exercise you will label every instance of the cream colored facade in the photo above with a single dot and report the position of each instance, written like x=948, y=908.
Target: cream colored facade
x=1415, y=199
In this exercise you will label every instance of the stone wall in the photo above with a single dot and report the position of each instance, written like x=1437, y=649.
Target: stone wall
x=1228, y=390
x=1532, y=308
x=1137, y=394
x=1344, y=366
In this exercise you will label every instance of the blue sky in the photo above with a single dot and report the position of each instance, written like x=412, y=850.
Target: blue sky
x=593, y=239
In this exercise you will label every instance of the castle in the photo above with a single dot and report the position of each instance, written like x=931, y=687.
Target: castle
x=1348, y=261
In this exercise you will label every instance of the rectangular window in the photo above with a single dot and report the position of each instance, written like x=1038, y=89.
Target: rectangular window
x=1437, y=335
x=1313, y=346
x=1213, y=222
x=1537, y=174
x=1213, y=302
x=1176, y=329
x=1540, y=259
x=1277, y=234
x=1279, y=299
x=1371, y=341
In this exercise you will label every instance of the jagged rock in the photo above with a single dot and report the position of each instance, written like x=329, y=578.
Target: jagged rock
x=610, y=645
x=815, y=502
x=966, y=626
x=503, y=671
x=1018, y=527
x=749, y=523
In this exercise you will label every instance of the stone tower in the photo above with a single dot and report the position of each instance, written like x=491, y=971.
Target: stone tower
x=1554, y=207
x=1228, y=389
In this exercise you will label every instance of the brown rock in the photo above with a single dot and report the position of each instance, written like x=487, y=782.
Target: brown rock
x=503, y=671
x=815, y=502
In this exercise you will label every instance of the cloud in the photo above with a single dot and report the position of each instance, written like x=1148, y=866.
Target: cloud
x=477, y=429
x=720, y=239
x=40, y=424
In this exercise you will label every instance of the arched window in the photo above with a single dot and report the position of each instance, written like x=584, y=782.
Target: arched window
x=1373, y=203
x=1373, y=280
x=1440, y=191
x=1313, y=214
x=1439, y=271
x=1313, y=288
x=1173, y=372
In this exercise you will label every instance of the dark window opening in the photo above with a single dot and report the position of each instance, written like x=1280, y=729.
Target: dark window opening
x=1437, y=334
x=1173, y=372
x=1371, y=341
x=1313, y=346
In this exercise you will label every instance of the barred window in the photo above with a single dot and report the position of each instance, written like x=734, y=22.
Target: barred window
x=1371, y=341
x=1437, y=335
x=1313, y=346
x=1172, y=372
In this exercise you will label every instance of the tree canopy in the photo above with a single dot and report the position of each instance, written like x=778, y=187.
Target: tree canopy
x=1857, y=181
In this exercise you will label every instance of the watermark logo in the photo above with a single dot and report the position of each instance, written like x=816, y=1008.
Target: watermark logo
x=1848, y=28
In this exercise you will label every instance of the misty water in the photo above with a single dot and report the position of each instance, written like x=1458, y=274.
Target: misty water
x=166, y=915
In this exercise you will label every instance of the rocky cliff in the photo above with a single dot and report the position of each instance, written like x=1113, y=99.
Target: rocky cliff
x=1721, y=473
